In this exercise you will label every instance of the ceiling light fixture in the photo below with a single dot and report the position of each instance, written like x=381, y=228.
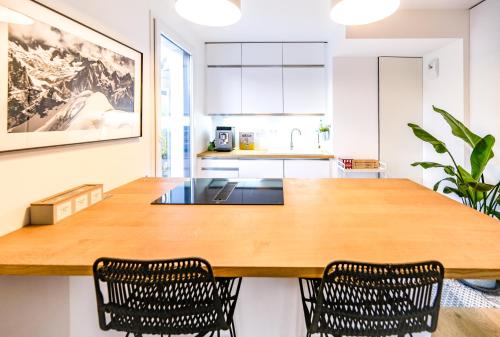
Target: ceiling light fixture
x=361, y=12
x=215, y=13
x=10, y=16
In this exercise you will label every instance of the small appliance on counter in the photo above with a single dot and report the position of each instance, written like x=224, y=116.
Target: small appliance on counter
x=224, y=139
x=247, y=141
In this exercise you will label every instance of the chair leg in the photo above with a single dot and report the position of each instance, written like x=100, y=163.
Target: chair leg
x=232, y=330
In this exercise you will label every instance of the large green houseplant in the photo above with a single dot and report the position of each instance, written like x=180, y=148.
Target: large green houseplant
x=469, y=186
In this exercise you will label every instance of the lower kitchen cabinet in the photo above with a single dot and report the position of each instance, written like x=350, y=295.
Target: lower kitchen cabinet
x=264, y=168
x=218, y=168
x=261, y=168
x=306, y=169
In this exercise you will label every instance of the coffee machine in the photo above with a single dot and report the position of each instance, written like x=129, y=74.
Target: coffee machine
x=225, y=138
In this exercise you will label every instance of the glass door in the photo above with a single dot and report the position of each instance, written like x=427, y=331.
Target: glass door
x=174, y=69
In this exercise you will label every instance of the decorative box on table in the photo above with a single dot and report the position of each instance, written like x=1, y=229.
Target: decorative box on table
x=53, y=209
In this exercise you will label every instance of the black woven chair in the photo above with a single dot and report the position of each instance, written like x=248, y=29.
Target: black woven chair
x=169, y=297
x=360, y=299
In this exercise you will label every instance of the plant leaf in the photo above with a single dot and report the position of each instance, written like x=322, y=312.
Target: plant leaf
x=458, y=128
x=466, y=176
x=481, y=155
x=449, y=170
x=481, y=187
x=497, y=214
x=420, y=133
x=427, y=164
x=436, y=186
x=450, y=190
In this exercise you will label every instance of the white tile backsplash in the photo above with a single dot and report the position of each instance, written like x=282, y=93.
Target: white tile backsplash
x=273, y=132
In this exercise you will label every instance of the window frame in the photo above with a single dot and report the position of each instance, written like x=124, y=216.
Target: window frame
x=162, y=30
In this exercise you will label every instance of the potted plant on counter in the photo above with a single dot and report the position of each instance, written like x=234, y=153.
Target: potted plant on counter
x=324, y=132
x=469, y=186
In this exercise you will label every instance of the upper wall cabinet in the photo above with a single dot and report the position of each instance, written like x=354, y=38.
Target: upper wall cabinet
x=304, y=90
x=262, y=91
x=223, y=54
x=223, y=78
x=262, y=54
x=304, y=54
x=266, y=78
x=223, y=90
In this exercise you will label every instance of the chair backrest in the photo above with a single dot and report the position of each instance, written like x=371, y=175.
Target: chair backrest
x=157, y=297
x=360, y=299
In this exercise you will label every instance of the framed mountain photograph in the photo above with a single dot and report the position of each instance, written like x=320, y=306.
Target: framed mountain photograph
x=62, y=82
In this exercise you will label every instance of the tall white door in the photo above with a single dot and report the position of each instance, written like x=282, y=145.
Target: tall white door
x=400, y=103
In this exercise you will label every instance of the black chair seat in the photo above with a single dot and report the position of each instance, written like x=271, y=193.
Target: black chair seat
x=358, y=299
x=167, y=297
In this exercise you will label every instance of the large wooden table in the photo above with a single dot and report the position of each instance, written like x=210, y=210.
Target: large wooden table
x=379, y=221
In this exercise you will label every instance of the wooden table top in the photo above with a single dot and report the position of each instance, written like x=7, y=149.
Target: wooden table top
x=265, y=154
x=378, y=221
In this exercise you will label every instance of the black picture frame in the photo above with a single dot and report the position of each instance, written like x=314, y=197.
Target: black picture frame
x=140, y=81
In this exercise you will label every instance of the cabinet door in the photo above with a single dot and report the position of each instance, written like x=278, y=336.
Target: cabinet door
x=223, y=91
x=223, y=54
x=304, y=90
x=305, y=169
x=304, y=53
x=262, y=91
x=261, y=168
x=267, y=54
x=218, y=168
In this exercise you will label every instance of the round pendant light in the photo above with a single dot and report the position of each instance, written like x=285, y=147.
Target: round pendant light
x=10, y=16
x=361, y=12
x=215, y=13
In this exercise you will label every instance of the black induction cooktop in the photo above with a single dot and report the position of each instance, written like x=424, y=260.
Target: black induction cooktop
x=204, y=191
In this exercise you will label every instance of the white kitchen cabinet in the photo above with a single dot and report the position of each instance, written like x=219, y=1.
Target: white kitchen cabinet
x=223, y=54
x=218, y=168
x=307, y=168
x=304, y=53
x=262, y=90
x=264, y=54
x=261, y=168
x=304, y=90
x=223, y=91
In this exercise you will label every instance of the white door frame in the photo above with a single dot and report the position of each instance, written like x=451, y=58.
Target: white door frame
x=159, y=29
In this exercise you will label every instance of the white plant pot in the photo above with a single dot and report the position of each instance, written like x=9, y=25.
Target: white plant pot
x=324, y=136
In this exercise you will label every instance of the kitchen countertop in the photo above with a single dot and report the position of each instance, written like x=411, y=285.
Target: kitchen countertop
x=372, y=220
x=266, y=154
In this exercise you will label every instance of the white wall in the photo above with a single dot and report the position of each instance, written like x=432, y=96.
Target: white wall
x=40, y=306
x=445, y=91
x=485, y=76
x=400, y=102
x=355, y=107
x=422, y=24
x=30, y=175
x=27, y=176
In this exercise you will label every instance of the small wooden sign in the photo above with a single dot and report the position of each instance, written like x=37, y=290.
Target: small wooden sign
x=55, y=208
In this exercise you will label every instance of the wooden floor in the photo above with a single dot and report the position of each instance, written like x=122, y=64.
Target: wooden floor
x=468, y=322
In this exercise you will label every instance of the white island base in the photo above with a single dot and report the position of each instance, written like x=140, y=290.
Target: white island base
x=38, y=306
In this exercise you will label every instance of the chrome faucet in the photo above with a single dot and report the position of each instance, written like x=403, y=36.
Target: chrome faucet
x=291, y=136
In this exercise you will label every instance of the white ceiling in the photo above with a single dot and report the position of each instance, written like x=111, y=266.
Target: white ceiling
x=438, y=4
x=308, y=20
